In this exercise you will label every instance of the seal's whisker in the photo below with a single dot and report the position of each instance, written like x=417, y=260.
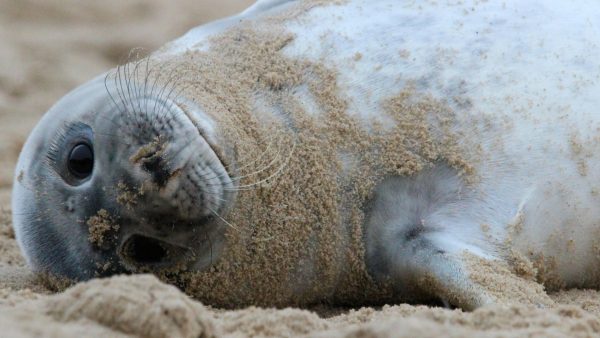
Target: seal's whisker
x=159, y=87
x=135, y=74
x=167, y=88
x=164, y=87
x=222, y=219
x=108, y=91
x=127, y=80
x=154, y=85
x=259, y=157
x=116, y=82
x=261, y=170
x=144, y=87
x=131, y=76
x=120, y=92
x=148, y=73
x=255, y=160
x=123, y=86
x=174, y=91
x=273, y=162
x=130, y=93
x=160, y=109
x=127, y=75
x=210, y=246
x=276, y=173
x=143, y=94
x=175, y=86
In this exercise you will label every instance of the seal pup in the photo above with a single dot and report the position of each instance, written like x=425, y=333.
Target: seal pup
x=348, y=152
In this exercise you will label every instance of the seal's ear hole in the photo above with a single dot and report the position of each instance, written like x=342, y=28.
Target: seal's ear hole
x=81, y=160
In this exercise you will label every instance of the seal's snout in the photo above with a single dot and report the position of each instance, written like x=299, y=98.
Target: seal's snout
x=172, y=188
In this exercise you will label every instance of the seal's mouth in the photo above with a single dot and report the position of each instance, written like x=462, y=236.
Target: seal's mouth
x=141, y=253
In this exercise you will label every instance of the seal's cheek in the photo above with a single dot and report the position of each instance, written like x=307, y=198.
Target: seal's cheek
x=72, y=234
x=55, y=245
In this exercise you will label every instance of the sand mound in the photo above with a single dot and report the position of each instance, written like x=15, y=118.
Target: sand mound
x=142, y=306
x=138, y=306
x=494, y=321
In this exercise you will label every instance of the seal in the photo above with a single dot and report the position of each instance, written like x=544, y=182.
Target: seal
x=319, y=151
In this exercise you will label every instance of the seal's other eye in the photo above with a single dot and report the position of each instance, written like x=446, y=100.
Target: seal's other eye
x=81, y=160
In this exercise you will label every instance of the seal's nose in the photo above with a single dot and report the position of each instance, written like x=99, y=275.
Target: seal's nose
x=152, y=159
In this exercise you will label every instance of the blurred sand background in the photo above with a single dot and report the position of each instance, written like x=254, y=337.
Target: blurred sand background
x=47, y=47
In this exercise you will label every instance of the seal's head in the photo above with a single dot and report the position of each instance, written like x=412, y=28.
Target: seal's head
x=119, y=177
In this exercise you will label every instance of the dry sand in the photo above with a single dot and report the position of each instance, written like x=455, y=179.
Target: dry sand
x=46, y=48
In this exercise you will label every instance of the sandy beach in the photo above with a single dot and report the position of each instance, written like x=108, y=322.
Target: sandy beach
x=49, y=47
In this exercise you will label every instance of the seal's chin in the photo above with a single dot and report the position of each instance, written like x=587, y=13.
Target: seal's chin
x=141, y=253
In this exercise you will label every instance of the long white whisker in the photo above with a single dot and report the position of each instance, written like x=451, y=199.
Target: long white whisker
x=259, y=158
x=279, y=170
x=222, y=219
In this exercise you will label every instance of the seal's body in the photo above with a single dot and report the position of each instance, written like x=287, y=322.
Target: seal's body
x=518, y=84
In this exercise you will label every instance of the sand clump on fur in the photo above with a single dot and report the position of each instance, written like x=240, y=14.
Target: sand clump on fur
x=100, y=226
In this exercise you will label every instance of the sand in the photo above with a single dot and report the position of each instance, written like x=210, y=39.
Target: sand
x=36, y=70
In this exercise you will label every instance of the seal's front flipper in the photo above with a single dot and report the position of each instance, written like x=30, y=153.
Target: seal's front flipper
x=421, y=236
x=419, y=270
x=445, y=276
x=416, y=238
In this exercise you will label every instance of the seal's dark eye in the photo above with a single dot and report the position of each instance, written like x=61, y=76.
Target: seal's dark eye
x=81, y=160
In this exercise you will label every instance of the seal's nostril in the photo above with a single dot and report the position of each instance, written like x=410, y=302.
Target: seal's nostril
x=140, y=253
x=144, y=250
x=157, y=167
x=151, y=158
